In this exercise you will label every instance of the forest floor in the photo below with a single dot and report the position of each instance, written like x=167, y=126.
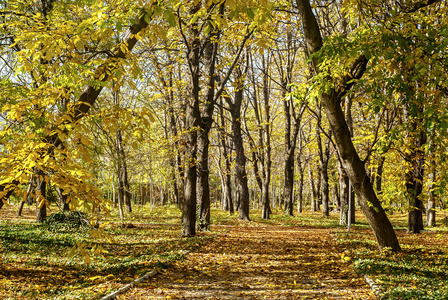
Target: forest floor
x=307, y=256
x=260, y=262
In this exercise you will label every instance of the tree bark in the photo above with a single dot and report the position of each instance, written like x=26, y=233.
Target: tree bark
x=240, y=160
x=343, y=189
x=300, y=183
x=324, y=157
x=26, y=196
x=63, y=200
x=325, y=184
x=371, y=207
x=314, y=191
x=193, y=123
x=266, y=208
x=430, y=210
x=227, y=178
x=41, y=189
x=414, y=184
x=203, y=188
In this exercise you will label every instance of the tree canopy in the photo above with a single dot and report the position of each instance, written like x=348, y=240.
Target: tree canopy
x=265, y=103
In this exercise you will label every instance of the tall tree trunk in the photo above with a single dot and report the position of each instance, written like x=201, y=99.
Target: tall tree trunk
x=414, y=176
x=203, y=188
x=227, y=182
x=193, y=122
x=343, y=190
x=352, y=196
x=127, y=189
x=286, y=62
x=266, y=208
x=314, y=191
x=288, y=187
x=175, y=160
x=240, y=160
x=371, y=207
x=431, y=206
x=122, y=175
x=430, y=210
x=325, y=184
x=324, y=157
x=120, y=190
x=300, y=183
x=336, y=196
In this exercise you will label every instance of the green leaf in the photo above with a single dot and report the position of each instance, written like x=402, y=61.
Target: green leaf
x=170, y=17
x=118, y=26
x=250, y=13
x=207, y=29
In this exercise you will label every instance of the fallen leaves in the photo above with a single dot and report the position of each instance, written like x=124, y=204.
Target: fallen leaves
x=257, y=262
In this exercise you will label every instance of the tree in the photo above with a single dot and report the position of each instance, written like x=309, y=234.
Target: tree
x=240, y=160
x=46, y=55
x=372, y=209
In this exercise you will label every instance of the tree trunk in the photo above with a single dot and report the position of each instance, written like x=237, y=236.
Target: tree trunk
x=325, y=184
x=324, y=157
x=62, y=200
x=415, y=160
x=126, y=187
x=414, y=186
x=240, y=160
x=314, y=191
x=203, y=188
x=41, y=189
x=300, y=185
x=379, y=175
x=266, y=209
x=120, y=193
x=289, y=181
x=193, y=122
x=227, y=180
x=337, y=197
x=371, y=207
x=430, y=209
x=240, y=166
x=26, y=196
x=344, y=190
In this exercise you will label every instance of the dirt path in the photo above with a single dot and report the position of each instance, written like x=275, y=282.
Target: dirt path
x=274, y=262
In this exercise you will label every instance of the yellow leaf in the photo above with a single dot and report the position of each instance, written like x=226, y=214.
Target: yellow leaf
x=87, y=259
x=94, y=278
x=345, y=258
x=42, y=202
x=84, y=141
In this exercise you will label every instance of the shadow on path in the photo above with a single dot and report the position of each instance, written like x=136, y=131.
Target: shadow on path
x=273, y=262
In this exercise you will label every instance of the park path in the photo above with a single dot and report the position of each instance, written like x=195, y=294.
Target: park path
x=260, y=262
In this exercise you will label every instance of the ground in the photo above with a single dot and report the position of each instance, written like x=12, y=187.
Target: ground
x=260, y=262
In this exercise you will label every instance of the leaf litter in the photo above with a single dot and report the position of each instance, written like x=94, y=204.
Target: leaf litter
x=261, y=262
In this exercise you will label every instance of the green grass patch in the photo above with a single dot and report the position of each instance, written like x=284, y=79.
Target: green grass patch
x=60, y=261
x=419, y=271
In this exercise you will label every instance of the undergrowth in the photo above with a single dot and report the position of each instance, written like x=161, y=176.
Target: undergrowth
x=419, y=271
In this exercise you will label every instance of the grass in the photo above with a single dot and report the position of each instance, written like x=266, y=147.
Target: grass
x=36, y=260
x=53, y=261
x=419, y=271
